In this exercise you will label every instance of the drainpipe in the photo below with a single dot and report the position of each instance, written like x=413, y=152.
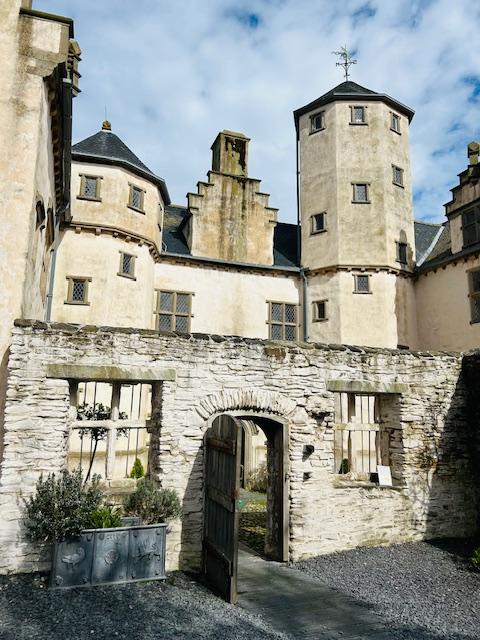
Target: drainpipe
x=303, y=276
x=67, y=160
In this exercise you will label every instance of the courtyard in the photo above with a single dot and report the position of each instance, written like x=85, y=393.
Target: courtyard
x=420, y=591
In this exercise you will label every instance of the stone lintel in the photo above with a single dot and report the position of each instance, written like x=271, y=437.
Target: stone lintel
x=358, y=386
x=106, y=373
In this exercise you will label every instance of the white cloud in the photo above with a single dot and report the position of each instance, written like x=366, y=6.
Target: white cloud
x=172, y=74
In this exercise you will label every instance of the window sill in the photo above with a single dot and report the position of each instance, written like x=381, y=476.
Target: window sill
x=320, y=320
x=363, y=293
x=135, y=209
x=89, y=199
x=81, y=304
x=399, y=133
x=316, y=131
x=126, y=275
x=361, y=202
x=358, y=124
x=316, y=233
x=397, y=184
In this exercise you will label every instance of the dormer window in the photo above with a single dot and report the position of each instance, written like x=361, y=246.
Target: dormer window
x=136, y=197
x=395, y=123
x=317, y=121
x=90, y=188
x=358, y=115
x=319, y=222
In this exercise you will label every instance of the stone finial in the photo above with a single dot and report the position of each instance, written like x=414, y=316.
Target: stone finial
x=230, y=153
x=473, y=151
x=107, y=125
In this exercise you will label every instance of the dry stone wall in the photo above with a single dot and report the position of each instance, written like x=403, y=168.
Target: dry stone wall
x=425, y=408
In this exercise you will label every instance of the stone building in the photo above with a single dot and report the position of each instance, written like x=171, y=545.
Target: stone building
x=172, y=316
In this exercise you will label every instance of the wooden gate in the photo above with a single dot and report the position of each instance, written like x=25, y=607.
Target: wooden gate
x=221, y=518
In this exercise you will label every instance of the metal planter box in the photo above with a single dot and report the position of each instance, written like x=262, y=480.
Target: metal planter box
x=107, y=556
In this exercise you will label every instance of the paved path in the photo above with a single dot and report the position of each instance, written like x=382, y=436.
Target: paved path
x=300, y=606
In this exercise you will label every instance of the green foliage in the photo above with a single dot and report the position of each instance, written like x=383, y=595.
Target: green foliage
x=475, y=559
x=137, y=470
x=153, y=504
x=257, y=480
x=61, y=506
x=105, y=517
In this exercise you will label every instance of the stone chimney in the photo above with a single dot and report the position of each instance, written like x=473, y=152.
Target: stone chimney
x=230, y=153
x=473, y=151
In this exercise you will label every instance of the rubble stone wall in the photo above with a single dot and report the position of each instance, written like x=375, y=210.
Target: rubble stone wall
x=424, y=408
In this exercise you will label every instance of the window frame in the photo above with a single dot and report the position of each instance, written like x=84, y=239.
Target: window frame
x=396, y=168
x=71, y=280
x=355, y=283
x=173, y=313
x=313, y=229
x=473, y=295
x=132, y=189
x=282, y=322
x=315, y=310
x=398, y=118
x=131, y=275
x=352, y=115
x=317, y=114
x=367, y=188
x=399, y=253
x=475, y=210
x=83, y=183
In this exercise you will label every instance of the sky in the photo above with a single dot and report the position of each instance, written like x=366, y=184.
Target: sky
x=172, y=74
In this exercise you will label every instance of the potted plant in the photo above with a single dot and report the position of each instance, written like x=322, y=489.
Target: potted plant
x=90, y=545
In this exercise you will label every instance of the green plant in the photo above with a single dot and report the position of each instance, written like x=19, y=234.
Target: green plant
x=475, y=559
x=257, y=479
x=152, y=503
x=137, y=470
x=105, y=517
x=61, y=506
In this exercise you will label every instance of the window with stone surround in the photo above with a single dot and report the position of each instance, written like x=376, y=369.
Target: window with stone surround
x=395, y=122
x=136, y=198
x=361, y=283
x=317, y=121
x=89, y=188
x=320, y=311
x=471, y=226
x=402, y=253
x=109, y=429
x=360, y=442
x=77, y=290
x=173, y=311
x=397, y=177
x=282, y=321
x=360, y=193
x=318, y=222
x=127, y=265
x=474, y=295
x=358, y=115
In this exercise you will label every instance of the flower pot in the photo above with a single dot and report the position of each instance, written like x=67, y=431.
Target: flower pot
x=108, y=556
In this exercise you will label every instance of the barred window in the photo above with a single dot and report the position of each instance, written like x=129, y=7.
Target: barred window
x=402, y=252
x=77, y=292
x=136, y=197
x=397, y=176
x=471, y=226
x=319, y=222
x=362, y=283
x=395, y=123
x=173, y=311
x=360, y=192
x=127, y=265
x=317, y=122
x=90, y=187
x=474, y=287
x=358, y=115
x=282, y=321
x=319, y=310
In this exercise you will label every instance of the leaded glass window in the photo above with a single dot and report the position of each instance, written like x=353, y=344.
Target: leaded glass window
x=395, y=123
x=358, y=115
x=136, y=197
x=77, y=292
x=90, y=187
x=362, y=283
x=471, y=226
x=282, y=320
x=127, y=265
x=173, y=311
x=397, y=176
x=474, y=285
x=360, y=192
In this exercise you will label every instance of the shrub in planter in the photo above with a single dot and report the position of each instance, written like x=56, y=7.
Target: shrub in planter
x=152, y=503
x=61, y=506
x=105, y=517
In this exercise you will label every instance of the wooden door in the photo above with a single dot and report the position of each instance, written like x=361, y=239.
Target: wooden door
x=221, y=518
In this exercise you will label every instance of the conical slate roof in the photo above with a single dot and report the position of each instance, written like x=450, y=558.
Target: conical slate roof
x=352, y=91
x=107, y=148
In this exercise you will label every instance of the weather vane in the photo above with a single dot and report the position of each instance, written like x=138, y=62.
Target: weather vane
x=347, y=60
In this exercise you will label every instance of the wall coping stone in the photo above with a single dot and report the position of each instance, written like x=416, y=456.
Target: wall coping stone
x=101, y=373
x=360, y=386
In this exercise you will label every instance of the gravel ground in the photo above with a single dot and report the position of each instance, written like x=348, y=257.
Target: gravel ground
x=177, y=609
x=426, y=591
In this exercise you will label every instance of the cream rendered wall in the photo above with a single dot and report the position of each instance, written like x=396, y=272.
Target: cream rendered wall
x=113, y=209
x=456, y=234
x=443, y=308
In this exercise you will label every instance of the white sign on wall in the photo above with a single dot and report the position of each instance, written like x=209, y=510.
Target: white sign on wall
x=384, y=475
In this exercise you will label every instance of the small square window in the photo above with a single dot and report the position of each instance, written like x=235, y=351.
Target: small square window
x=402, y=252
x=136, y=198
x=395, y=123
x=77, y=290
x=319, y=310
x=362, y=283
x=317, y=122
x=358, y=115
x=360, y=192
x=173, y=311
x=282, y=320
x=89, y=187
x=127, y=265
x=318, y=223
x=397, y=176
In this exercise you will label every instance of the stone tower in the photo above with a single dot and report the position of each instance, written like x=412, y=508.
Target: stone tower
x=356, y=217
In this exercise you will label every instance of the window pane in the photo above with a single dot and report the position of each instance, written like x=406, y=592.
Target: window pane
x=469, y=235
x=321, y=310
x=166, y=301
x=362, y=283
x=360, y=192
x=402, y=252
x=290, y=313
x=181, y=324
x=475, y=307
x=319, y=222
x=164, y=322
x=395, y=122
x=78, y=291
x=475, y=281
x=136, y=196
x=183, y=303
x=290, y=332
x=358, y=114
x=90, y=187
x=397, y=175
x=277, y=312
x=276, y=332
x=127, y=263
x=317, y=122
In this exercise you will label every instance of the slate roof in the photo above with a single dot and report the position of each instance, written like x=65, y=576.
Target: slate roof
x=352, y=91
x=284, y=238
x=106, y=147
x=425, y=235
x=441, y=252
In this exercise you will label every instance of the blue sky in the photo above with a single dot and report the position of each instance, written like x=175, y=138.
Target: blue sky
x=172, y=74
